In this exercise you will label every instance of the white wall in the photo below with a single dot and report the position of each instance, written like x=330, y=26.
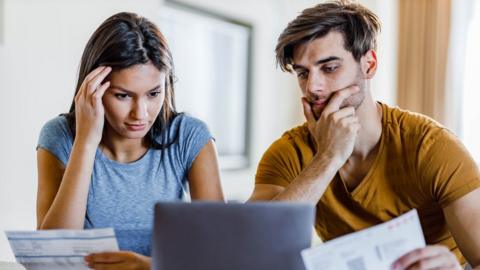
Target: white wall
x=384, y=85
x=42, y=44
x=39, y=60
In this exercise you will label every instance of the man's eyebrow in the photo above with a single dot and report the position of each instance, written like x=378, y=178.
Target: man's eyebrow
x=319, y=62
x=133, y=93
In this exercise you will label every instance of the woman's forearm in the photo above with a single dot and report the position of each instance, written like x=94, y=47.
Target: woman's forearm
x=69, y=206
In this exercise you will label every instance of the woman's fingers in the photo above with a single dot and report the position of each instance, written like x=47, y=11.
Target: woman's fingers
x=97, y=96
x=92, y=74
x=95, y=82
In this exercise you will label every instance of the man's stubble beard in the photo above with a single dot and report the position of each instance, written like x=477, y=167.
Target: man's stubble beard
x=354, y=100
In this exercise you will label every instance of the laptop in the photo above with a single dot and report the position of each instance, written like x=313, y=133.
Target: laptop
x=233, y=236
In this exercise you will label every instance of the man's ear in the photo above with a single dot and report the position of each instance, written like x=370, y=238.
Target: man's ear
x=369, y=64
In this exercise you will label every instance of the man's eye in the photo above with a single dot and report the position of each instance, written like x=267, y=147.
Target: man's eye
x=302, y=75
x=330, y=69
x=121, y=96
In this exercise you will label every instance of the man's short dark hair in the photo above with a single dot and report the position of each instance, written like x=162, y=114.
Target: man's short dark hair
x=358, y=25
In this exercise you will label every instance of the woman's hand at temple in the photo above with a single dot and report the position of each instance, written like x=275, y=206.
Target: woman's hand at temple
x=89, y=110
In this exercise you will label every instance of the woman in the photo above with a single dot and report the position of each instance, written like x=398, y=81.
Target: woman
x=122, y=147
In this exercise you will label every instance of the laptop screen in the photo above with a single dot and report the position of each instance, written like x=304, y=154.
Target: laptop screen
x=219, y=236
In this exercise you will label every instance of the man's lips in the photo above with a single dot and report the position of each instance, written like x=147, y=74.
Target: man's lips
x=319, y=102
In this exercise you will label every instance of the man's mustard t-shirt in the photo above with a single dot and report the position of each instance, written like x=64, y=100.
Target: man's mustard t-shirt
x=419, y=164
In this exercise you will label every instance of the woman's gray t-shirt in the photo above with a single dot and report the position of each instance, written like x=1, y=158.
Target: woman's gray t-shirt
x=122, y=195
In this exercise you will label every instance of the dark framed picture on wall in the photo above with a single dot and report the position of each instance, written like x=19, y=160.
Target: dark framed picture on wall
x=212, y=56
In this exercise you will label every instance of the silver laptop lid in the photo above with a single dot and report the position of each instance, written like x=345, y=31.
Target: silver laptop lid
x=219, y=236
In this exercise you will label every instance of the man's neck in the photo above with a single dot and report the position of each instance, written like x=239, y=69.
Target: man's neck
x=370, y=117
x=366, y=145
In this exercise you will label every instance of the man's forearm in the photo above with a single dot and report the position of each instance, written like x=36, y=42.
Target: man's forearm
x=312, y=182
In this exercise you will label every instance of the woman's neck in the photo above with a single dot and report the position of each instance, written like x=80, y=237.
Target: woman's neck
x=122, y=150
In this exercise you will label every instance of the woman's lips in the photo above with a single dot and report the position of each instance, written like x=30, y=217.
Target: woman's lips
x=136, y=127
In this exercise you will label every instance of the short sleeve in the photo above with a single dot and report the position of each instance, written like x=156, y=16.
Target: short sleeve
x=193, y=136
x=279, y=165
x=56, y=138
x=447, y=168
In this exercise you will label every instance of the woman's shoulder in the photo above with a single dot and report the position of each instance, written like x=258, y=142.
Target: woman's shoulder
x=187, y=120
x=56, y=137
x=184, y=124
x=56, y=127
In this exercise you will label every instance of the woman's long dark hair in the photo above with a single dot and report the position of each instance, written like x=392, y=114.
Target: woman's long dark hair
x=123, y=40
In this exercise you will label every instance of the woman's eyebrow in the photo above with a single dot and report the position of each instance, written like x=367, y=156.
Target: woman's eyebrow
x=132, y=92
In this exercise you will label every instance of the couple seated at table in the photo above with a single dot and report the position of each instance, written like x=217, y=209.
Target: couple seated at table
x=123, y=145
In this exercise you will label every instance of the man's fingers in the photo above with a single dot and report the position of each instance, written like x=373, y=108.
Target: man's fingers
x=338, y=98
x=349, y=121
x=342, y=113
x=433, y=263
x=307, y=111
x=417, y=255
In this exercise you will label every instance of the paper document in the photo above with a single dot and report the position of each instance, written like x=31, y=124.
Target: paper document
x=59, y=249
x=375, y=248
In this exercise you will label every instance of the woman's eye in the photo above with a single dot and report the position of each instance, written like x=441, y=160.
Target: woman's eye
x=121, y=96
x=154, y=94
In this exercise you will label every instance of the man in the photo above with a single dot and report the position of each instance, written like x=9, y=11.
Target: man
x=362, y=162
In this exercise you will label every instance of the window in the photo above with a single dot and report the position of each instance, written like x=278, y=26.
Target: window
x=211, y=55
x=471, y=93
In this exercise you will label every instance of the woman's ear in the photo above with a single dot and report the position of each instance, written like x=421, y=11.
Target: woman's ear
x=369, y=64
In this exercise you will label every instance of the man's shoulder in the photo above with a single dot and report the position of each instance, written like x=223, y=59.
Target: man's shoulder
x=286, y=156
x=416, y=132
x=408, y=123
x=296, y=135
x=292, y=142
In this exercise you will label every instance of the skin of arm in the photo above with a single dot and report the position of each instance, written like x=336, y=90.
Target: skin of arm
x=307, y=187
x=204, y=175
x=462, y=216
x=62, y=195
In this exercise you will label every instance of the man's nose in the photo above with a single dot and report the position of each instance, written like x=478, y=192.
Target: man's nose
x=315, y=83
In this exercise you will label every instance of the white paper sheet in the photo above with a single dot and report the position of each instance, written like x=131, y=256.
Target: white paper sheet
x=375, y=248
x=59, y=249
